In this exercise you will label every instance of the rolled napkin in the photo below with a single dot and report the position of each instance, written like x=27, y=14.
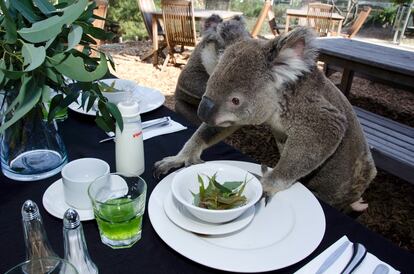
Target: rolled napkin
x=368, y=265
x=173, y=126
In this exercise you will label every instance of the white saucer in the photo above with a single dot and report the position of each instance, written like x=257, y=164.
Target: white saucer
x=149, y=98
x=54, y=203
x=184, y=219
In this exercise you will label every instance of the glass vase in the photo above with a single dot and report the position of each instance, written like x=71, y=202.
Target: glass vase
x=31, y=149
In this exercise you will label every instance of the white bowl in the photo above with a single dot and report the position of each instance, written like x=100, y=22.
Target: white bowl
x=125, y=87
x=185, y=182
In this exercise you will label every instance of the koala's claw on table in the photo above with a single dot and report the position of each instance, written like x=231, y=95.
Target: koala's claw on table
x=267, y=197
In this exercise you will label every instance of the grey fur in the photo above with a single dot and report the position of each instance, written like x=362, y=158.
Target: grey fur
x=320, y=140
x=192, y=81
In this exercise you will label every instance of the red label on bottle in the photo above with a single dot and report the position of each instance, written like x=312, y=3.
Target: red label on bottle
x=136, y=135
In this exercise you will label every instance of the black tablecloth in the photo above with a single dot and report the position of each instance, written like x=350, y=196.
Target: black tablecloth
x=150, y=254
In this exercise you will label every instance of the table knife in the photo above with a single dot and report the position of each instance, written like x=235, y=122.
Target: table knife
x=332, y=258
x=152, y=123
x=358, y=256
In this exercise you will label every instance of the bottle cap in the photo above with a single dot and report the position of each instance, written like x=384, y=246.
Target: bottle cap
x=30, y=211
x=128, y=108
x=71, y=219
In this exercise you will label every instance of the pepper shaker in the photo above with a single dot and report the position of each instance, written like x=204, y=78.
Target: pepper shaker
x=37, y=244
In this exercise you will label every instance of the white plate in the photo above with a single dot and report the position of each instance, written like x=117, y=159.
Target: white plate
x=184, y=219
x=284, y=232
x=149, y=99
x=54, y=203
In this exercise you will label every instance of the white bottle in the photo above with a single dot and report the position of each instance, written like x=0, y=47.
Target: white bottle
x=129, y=146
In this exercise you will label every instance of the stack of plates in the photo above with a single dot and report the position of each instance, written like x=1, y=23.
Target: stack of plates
x=264, y=238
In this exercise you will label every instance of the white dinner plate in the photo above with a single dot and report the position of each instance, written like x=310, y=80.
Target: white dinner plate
x=184, y=219
x=284, y=232
x=54, y=203
x=149, y=98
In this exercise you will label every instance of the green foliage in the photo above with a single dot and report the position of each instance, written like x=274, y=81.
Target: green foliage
x=250, y=8
x=384, y=17
x=128, y=15
x=38, y=42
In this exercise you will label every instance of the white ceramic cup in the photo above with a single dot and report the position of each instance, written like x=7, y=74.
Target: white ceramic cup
x=77, y=176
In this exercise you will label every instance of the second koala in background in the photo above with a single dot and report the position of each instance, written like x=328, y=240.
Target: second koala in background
x=191, y=84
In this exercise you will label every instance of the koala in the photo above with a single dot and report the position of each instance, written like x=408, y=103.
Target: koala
x=191, y=84
x=277, y=83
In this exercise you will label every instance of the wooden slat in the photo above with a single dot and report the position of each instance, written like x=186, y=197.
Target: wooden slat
x=387, y=163
x=391, y=144
x=391, y=149
x=389, y=133
x=385, y=122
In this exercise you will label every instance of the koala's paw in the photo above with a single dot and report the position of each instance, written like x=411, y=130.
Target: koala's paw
x=271, y=187
x=168, y=163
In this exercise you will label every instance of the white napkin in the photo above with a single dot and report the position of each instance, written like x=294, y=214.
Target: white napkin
x=156, y=131
x=368, y=265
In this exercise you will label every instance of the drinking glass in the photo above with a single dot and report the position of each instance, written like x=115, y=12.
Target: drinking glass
x=46, y=265
x=118, y=201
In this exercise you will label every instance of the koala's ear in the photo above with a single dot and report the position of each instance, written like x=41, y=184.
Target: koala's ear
x=212, y=22
x=292, y=55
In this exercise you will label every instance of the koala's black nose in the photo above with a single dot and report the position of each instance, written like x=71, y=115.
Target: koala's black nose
x=206, y=108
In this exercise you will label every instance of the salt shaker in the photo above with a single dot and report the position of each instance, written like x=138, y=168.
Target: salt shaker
x=76, y=251
x=129, y=146
x=37, y=244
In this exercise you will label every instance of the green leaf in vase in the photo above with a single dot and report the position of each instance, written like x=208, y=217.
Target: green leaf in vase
x=45, y=6
x=26, y=8
x=116, y=114
x=54, y=76
x=54, y=106
x=33, y=56
x=30, y=99
x=74, y=67
x=74, y=37
x=8, y=24
x=2, y=67
x=46, y=29
x=91, y=102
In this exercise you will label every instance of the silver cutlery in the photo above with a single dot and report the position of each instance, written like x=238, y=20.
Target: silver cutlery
x=358, y=255
x=381, y=269
x=145, y=125
x=332, y=258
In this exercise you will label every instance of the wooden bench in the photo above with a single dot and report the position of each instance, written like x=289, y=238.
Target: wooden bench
x=391, y=143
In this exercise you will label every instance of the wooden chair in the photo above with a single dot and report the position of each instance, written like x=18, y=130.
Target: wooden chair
x=356, y=26
x=319, y=17
x=179, y=25
x=147, y=7
x=266, y=11
x=101, y=11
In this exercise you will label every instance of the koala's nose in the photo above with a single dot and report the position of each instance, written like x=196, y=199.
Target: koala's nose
x=206, y=108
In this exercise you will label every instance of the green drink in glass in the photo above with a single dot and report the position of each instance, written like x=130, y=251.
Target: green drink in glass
x=118, y=202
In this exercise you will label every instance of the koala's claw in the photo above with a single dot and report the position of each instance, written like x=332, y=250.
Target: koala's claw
x=267, y=197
